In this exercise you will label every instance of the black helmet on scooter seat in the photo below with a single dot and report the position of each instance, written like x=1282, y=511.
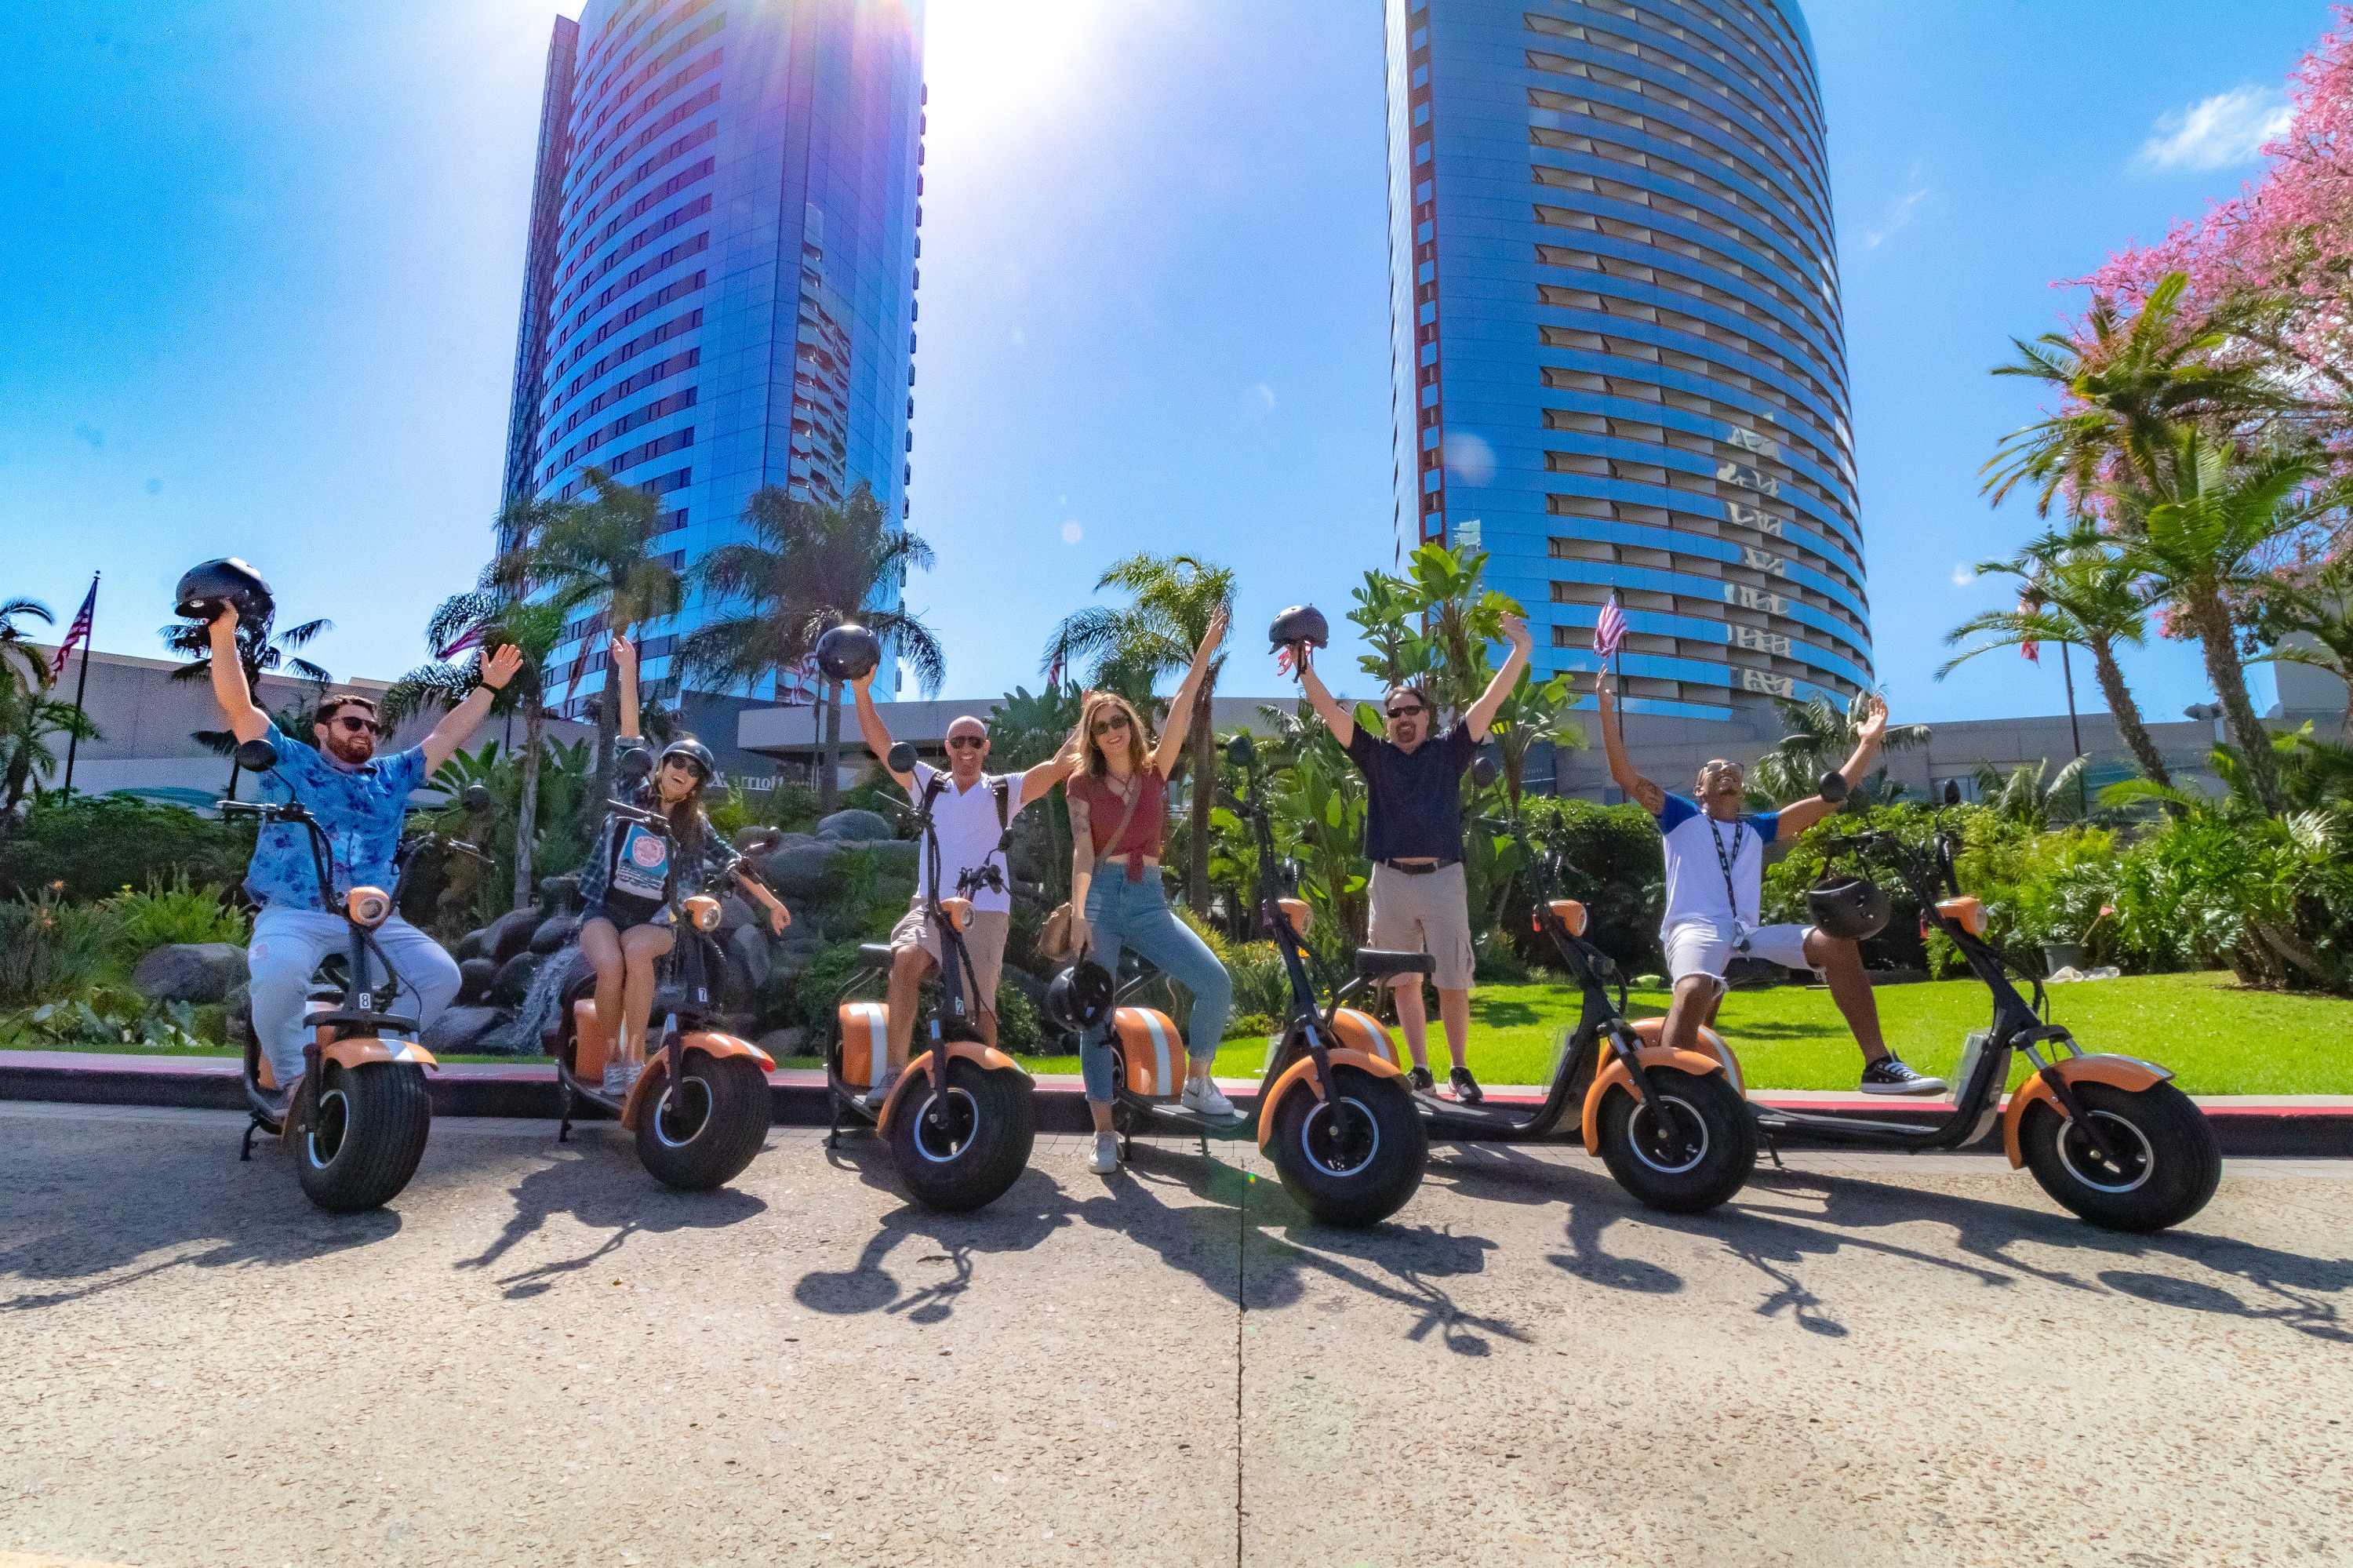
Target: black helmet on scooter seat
x=694, y=751
x=204, y=589
x=1848, y=908
x=848, y=651
x=1080, y=997
x=1300, y=623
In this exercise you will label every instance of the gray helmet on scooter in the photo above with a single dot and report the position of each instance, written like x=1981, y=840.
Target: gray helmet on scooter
x=1080, y=997
x=1848, y=908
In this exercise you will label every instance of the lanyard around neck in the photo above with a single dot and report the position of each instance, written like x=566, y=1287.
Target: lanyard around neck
x=1726, y=861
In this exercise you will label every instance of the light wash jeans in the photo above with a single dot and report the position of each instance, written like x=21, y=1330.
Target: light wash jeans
x=1123, y=914
x=287, y=944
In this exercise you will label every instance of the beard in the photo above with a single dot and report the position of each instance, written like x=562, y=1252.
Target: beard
x=351, y=750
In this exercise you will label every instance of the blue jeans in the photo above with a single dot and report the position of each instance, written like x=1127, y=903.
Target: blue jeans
x=1123, y=914
x=287, y=944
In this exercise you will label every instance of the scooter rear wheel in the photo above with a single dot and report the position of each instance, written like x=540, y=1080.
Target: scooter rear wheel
x=2169, y=1162
x=1356, y=1167
x=702, y=1136
x=1695, y=1163
x=975, y=1149
x=365, y=1137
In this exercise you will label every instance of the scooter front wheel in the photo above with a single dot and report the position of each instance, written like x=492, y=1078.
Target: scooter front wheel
x=1688, y=1150
x=1354, y=1166
x=365, y=1135
x=2164, y=1161
x=959, y=1148
x=701, y=1133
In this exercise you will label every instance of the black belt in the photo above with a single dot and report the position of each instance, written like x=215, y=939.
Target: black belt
x=1419, y=870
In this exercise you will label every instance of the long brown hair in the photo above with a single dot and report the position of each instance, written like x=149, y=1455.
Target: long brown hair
x=1092, y=752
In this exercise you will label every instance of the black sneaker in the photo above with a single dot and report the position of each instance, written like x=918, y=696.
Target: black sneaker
x=1466, y=1088
x=1419, y=1081
x=1889, y=1076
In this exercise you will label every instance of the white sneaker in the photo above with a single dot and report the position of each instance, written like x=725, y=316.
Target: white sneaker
x=1203, y=1094
x=1106, y=1157
x=881, y=1092
x=615, y=1079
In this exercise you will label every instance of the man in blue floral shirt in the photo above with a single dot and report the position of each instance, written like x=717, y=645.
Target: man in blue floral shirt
x=358, y=799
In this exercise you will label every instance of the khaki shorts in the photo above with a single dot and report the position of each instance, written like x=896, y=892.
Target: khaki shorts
x=984, y=940
x=1425, y=915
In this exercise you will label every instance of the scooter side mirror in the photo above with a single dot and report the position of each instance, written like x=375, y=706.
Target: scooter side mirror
x=1242, y=751
x=1832, y=787
x=901, y=759
x=257, y=756
x=475, y=797
x=638, y=762
x=1485, y=772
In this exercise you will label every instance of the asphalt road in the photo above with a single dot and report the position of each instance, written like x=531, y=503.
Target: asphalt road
x=538, y=1356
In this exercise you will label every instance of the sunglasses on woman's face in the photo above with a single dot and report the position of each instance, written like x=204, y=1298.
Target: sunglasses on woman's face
x=351, y=725
x=1116, y=722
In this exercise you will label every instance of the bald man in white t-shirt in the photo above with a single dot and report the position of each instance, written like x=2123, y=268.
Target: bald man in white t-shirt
x=1716, y=881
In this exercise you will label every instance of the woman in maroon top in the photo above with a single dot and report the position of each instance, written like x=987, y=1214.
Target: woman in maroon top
x=1119, y=812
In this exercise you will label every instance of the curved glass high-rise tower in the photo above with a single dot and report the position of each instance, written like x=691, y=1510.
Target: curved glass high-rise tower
x=721, y=282
x=1619, y=358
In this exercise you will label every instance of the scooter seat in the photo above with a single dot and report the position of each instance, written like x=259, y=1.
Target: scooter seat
x=874, y=955
x=1376, y=963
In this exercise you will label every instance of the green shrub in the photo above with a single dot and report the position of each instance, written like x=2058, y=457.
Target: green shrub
x=174, y=911
x=818, y=990
x=1252, y=1026
x=1609, y=858
x=87, y=846
x=1261, y=985
x=1018, y=1026
x=111, y=1021
x=52, y=949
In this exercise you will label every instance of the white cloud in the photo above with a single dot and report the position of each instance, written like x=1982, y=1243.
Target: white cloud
x=1962, y=576
x=1897, y=216
x=2228, y=128
x=1072, y=533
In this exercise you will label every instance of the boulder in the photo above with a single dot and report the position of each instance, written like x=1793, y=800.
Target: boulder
x=783, y=1042
x=475, y=979
x=236, y=1014
x=554, y=932
x=469, y=946
x=735, y=912
x=853, y=825
x=460, y=1029
x=514, y=979
x=749, y=947
x=190, y=971
x=509, y=934
x=560, y=892
x=791, y=963
x=804, y=871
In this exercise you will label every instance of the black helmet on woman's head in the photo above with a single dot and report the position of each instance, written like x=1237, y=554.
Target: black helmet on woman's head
x=1080, y=997
x=848, y=651
x=204, y=589
x=694, y=751
x=1300, y=623
x=1848, y=908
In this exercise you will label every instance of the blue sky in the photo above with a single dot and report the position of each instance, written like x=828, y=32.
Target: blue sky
x=258, y=288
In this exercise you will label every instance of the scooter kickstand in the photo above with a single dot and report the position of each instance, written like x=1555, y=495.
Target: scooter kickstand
x=564, y=1113
x=1774, y=1150
x=252, y=1126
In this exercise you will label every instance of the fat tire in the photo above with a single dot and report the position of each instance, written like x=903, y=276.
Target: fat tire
x=1723, y=1169
x=1380, y=1189
x=1005, y=1126
x=2186, y=1160
x=389, y=1115
x=729, y=1137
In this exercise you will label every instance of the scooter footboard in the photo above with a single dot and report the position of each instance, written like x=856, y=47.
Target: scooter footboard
x=987, y=1057
x=1613, y=1076
x=1302, y=1072
x=2127, y=1073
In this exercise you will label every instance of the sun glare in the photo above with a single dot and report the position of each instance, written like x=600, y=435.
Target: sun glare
x=986, y=60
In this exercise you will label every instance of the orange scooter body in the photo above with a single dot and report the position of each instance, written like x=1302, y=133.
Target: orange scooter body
x=1613, y=1076
x=2127, y=1073
x=355, y=1050
x=1302, y=1072
x=1653, y=1032
x=647, y=1087
x=988, y=1057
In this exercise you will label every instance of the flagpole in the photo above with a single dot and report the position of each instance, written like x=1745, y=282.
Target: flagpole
x=82, y=684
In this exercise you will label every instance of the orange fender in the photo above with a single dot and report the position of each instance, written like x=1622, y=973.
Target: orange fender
x=649, y=1084
x=363, y=1048
x=1613, y=1076
x=989, y=1056
x=2127, y=1073
x=1650, y=1030
x=1304, y=1071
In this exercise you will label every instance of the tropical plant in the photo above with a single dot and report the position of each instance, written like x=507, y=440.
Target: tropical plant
x=808, y=567
x=1536, y=714
x=2031, y=795
x=1316, y=799
x=1172, y=599
x=1821, y=737
x=1023, y=731
x=1433, y=626
x=51, y=947
x=20, y=660
x=262, y=652
x=2077, y=589
x=31, y=721
x=88, y=846
x=2316, y=603
x=561, y=826
x=173, y=910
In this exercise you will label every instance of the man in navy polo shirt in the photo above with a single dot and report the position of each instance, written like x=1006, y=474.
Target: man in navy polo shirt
x=358, y=799
x=1413, y=836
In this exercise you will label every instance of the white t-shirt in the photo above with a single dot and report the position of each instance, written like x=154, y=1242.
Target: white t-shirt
x=1697, y=866
x=968, y=830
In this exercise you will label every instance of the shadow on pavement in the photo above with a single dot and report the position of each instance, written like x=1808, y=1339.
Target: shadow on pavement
x=1032, y=1209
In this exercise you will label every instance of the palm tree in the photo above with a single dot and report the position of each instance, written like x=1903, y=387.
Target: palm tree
x=2198, y=537
x=2317, y=604
x=19, y=660
x=1821, y=737
x=1535, y=712
x=29, y=720
x=1173, y=599
x=2032, y=794
x=807, y=567
x=2074, y=588
x=487, y=618
x=593, y=554
x=260, y=653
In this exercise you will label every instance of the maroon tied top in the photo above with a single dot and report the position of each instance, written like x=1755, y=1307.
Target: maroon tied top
x=1106, y=805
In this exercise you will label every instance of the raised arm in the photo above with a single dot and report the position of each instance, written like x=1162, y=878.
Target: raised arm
x=1337, y=719
x=624, y=660
x=1180, y=706
x=1799, y=815
x=1483, y=712
x=246, y=721
x=874, y=732
x=1637, y=788
x=459, y=721
x=1050, y=772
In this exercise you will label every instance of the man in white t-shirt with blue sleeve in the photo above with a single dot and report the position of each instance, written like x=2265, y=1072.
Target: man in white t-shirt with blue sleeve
x=1716, y=878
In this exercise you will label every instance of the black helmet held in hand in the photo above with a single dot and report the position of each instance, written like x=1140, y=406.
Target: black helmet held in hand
x=849, y=652
x=1848, y=908
x=1080, y=997
x=204, y=589
x=1300, y=623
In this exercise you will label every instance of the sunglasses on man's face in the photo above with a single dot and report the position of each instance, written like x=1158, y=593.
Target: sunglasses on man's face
x=351, y=725
x=1411, y=711
x=1116, y=722
x=1721, y=770
x=959, y=742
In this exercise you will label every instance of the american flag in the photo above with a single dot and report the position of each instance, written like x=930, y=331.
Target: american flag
x=78, y=632
x=1610, y=630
